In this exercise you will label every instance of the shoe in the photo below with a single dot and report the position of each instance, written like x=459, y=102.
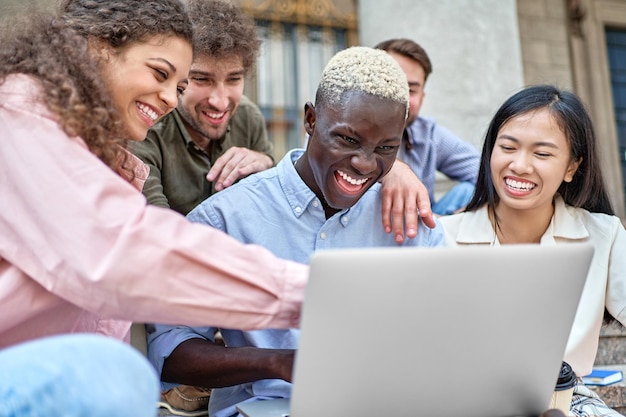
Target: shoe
x=186, y=400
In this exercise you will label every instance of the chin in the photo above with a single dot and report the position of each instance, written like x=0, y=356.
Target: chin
x=137, y=135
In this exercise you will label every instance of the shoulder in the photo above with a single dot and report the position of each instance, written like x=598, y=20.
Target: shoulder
x=247, y=127
x=255, y=186
x=601, y=224
x=247, y=109
x=24, y=93
x=469, y=227
x=451, y=225
x=452, y=221
x=165, y=128
x=246, y=103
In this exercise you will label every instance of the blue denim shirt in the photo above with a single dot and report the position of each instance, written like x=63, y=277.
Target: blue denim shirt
x=432, y=147
x=276, y=209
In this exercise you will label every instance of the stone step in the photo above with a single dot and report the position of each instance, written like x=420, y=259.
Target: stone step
x=612, y=344
x=612, y=355
x=613, y=395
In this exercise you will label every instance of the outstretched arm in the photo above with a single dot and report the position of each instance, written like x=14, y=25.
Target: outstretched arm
x=202, y=363
x=404, y=198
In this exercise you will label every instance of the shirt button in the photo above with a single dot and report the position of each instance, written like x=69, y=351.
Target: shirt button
x=298, y=210
x=323, y=236
x=315, y=203
x=344, y=220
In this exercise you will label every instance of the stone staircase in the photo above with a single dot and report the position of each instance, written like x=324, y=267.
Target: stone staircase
x=612, y=354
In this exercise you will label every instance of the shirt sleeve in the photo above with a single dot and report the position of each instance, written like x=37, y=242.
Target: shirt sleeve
x=457, y=159
x=83, y=233
x=163, y=339
x=616, y=290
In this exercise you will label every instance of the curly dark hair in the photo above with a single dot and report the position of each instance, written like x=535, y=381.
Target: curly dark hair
x=54, y=49
x=222, y=30
x=123, y=22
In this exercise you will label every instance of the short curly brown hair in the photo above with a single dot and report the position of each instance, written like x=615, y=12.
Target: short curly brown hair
x=54, y=49
x=223, y=30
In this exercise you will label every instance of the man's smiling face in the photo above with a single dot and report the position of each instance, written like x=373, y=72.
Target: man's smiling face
x=352, y=145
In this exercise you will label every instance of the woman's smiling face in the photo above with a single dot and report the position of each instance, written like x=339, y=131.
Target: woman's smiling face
x=145, y=80
x=530, y=160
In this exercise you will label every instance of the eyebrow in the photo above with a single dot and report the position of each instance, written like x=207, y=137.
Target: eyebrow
x=356, y=135
x=511, y=138
x=165, y=61
x=415, y=84
x=208, y=74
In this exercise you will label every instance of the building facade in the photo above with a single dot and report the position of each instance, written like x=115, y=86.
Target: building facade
x=482, y=52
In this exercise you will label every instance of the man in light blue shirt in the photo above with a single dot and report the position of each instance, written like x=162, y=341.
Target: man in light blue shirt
x=428, y=147
x=326, y=196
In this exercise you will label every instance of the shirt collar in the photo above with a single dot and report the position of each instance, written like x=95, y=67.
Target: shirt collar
x=140, y=171
x=298, y=194
x=475, y=227
x=187, y=137
x=566, y=223
x=183, y=129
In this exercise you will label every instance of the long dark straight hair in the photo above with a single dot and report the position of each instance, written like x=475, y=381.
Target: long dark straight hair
x=587, y=189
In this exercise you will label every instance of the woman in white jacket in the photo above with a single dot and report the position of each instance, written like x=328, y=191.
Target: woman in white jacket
x=540, y=182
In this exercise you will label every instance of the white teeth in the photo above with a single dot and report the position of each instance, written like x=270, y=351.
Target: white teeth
x=148, y=111
x=351, y=180
x=215, y=115
x=518, y=185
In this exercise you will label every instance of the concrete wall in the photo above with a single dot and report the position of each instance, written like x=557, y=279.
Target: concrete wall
x=474, y=47
x=10, y=7
x=545, y=42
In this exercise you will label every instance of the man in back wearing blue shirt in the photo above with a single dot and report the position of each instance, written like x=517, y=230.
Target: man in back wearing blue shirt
x=428, y=147
x=326, y=196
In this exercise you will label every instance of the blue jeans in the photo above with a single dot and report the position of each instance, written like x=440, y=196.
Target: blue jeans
x=76, y=375
x=455, y=199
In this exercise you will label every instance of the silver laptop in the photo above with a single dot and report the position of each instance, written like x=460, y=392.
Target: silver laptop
x=471, y=331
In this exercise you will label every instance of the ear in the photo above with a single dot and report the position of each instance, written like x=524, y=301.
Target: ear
x=571, y=170
x=309, y=118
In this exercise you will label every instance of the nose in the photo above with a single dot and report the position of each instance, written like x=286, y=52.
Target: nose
x=521, y=163
x=169, y=96
x=218, y=97
x=364, y=162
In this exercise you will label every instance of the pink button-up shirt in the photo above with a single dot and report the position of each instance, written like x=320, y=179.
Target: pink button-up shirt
x=79, y=245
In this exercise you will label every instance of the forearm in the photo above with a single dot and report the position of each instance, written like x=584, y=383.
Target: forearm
x=200, y=362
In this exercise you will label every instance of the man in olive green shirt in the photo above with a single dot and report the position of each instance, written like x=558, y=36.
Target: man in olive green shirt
x=216, y=135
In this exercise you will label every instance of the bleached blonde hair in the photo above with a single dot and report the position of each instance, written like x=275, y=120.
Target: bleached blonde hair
x=363, y=69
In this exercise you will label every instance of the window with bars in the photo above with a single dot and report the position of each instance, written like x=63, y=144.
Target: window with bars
x=616, y=48
x=299, y=37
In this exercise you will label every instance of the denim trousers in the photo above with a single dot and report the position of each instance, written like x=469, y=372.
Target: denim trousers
x=455, y=199
x=76, y=375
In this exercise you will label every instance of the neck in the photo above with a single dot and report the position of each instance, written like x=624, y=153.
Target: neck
x=522, y=226
x=304, y=171
x=328, y=210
